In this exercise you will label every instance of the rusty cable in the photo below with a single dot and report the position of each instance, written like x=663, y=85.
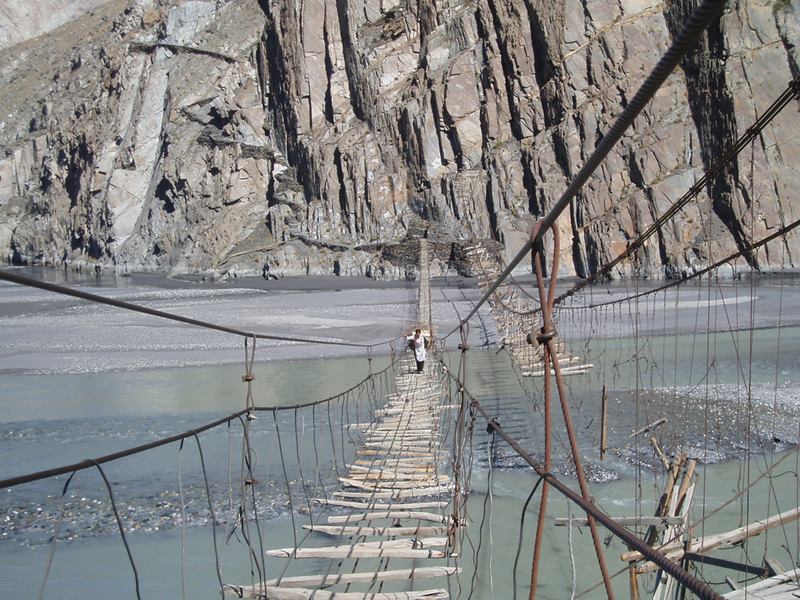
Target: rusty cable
x=697, y=23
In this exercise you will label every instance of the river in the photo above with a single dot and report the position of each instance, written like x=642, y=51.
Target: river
x=81, y=381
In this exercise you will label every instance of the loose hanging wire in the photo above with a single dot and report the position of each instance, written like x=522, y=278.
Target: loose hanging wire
x=56, y=533
x=183, y=521
x=519, y=538
x=217, y=564
x=122, y=531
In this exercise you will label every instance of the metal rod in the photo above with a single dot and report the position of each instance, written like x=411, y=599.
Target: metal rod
x=702, y=589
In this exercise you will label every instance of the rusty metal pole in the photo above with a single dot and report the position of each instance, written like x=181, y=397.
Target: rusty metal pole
x=547, y=339
x=548, y=446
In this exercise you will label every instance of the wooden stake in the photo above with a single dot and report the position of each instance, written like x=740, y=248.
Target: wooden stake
x=634, y=580
x=603, y=423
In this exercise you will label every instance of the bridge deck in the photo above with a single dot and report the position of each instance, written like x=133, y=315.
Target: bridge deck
x=397, y=495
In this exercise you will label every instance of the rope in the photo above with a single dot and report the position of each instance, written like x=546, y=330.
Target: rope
x=88, y=463
x=703, y=591
x=752, y=132
x=519, y=539
x=702, y=16
x=183, y=521
x=213, y=516
x=57, y=531
x=571, y=554
x=66, y=291
x=121, y=530
x=249, y=480
x=748, y=248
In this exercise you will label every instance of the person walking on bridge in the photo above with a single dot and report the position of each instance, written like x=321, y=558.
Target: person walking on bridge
x=419, y=343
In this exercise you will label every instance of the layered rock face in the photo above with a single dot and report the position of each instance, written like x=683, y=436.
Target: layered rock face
x=290, y=137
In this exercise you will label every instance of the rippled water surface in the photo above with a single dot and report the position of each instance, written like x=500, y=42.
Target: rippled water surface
x=80, y=382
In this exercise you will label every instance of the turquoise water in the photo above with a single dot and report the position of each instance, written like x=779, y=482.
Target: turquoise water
x=146, y=486
x=694, y=379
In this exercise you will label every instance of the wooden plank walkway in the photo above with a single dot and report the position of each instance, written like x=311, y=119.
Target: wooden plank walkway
x=397, y=496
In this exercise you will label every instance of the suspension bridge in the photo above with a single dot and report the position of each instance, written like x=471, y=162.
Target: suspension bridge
x=393, y=520
x=395, y=490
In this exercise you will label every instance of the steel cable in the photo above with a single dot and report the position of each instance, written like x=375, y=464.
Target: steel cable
x=96, y=298
x=700, y=19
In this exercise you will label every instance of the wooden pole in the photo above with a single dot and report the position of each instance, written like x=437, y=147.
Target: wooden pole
x=634, y=580
x=603, y=424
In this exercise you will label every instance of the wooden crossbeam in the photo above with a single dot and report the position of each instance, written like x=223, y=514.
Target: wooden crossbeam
x=276, y=593
x=340, y=578
x=339, y=530
x=395, y=494
x=387, y=514
x=381, y=549
x=381, y=506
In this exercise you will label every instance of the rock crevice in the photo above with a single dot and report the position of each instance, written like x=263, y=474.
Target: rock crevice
x=277, y=138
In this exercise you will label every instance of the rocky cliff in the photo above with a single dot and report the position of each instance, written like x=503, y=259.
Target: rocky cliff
x=312, y=136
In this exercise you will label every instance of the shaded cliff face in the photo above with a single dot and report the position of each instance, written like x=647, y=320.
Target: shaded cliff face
x=284, y=138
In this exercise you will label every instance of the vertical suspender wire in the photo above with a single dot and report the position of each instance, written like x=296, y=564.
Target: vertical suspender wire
x=519, y=539
x=300, y=469
x=491, y=511
x=571, y=552
x=286, y=480
x=749, y=383
x=249, y=482
x=121, y=528
x=771, y=452
x=183, y=519
x=56, y=532
x=342, y=402
x=230, y=467
x=245, y=464
x=461, y=487
x=318, y=483
x=637, y=389
x=333, y=442
x=477, y=550
x=213, y=516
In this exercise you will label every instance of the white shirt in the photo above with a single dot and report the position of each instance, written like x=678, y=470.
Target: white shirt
x=419, y=347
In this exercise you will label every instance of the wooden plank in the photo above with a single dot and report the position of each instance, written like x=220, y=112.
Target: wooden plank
x=382, y=506
x=791, y=576
x=341, y=578
x=400, y=442
x=395, y=461
x=276, y=593
x=389, y=485
x=386, y=475
x=388, y=514
x=396, y=494
x=375, y=452
x=418, y=548
x=675, y=550
x=377, y=466
x=345, y=530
